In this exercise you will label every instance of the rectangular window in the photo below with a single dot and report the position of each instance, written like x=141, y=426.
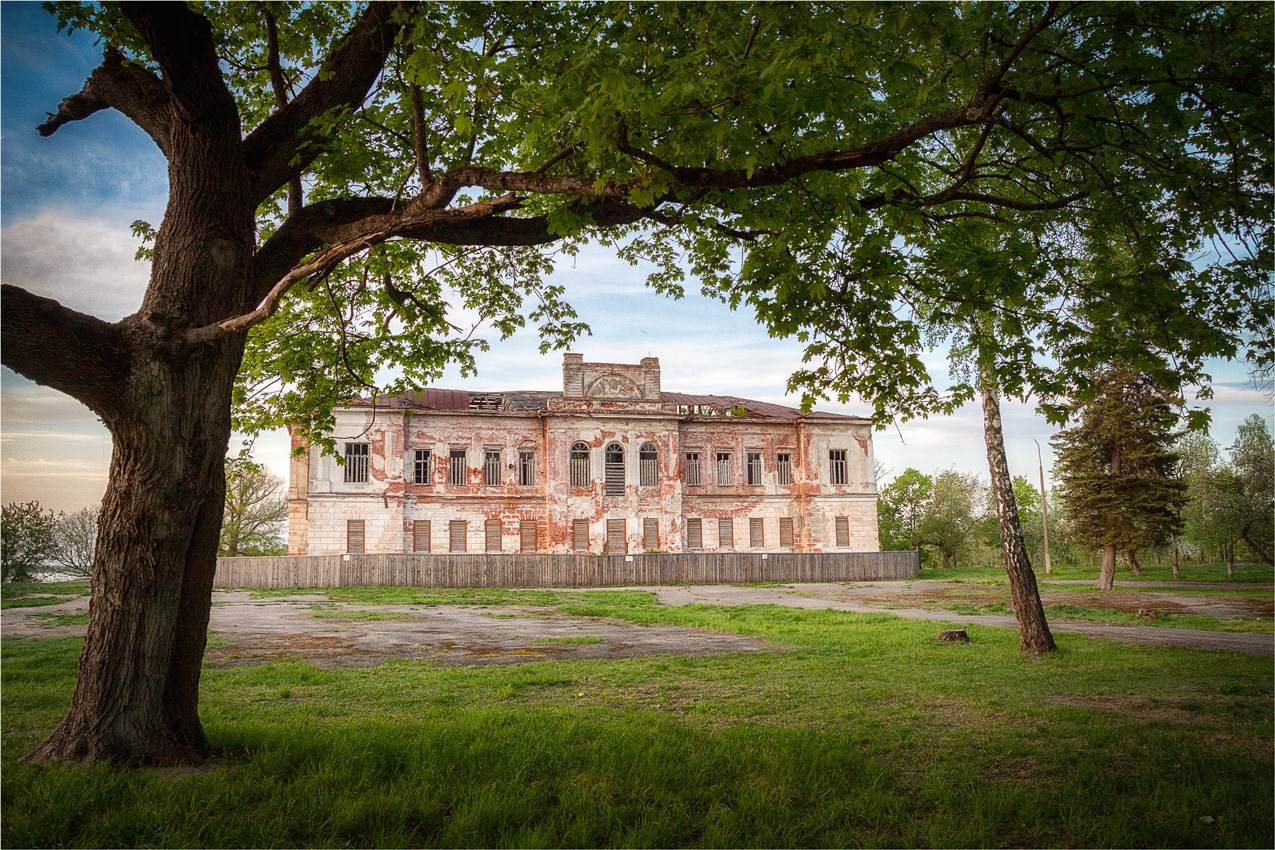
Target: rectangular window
x=491, y=469
x=420, y=535
x=527, y=535
x=580, y=535
x=694, y=534
x=650, y=534
x=726, y=534
x=754, y=469
x=837, y=466
x=843, y=531
x=423, y=467
x=783, y=469
x=356, y=455
x=526, y=469
x=723, y=469
x=354, y=536
x=492, y=534
x=692, y=469
x=615, y=537
x=757, y=533
x=456, y=472
x=785, y=532
x=456, y=532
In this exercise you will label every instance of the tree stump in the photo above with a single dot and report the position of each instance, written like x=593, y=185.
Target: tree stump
x=954, y=636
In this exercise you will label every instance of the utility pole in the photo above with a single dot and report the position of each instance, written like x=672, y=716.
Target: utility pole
x=1044, y=513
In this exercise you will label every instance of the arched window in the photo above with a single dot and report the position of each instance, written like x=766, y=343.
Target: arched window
x=614, y=458
x=648, y=461
x=580, y=465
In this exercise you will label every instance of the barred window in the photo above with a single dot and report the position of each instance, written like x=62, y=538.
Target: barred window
x=423, y=467
x=692, y=469
x=648, y=460
x=783, y=468
x=580, y=465
x=837, y=466
x=491, y=468
x=526, y=469
x=723, y=469
x=456, y=473
x=754, y=469
x=356, y=455
x=614, y=470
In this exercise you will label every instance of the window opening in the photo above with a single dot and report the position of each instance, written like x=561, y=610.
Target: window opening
x=491, y=469
x=354, y=536
x=580, y=535
x=754, y=469
x=527, y=535
x=614, y=470
x=615, y=537
x=650, y=533
x=356, y=455
x=648, y=461
x=456, y=468
x=757, y=533
x=726, y=533
x=526, y=469
x=492, y=533
x=456, y=532
x=423, y=467
x=843, y=531
x=723, y=469
x=694, y=534
x=783, y=468
x=785, y=533
x=420, y=535
x=692, y=469
x=580, y=465
x=837, y=466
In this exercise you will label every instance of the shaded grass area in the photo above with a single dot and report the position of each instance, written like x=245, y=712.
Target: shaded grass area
x=1069, y=611
x=1150, y=572
x=868, y=734
x=33, y=594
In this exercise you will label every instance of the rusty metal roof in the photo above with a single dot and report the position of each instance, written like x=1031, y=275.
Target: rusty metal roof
x=537, y=401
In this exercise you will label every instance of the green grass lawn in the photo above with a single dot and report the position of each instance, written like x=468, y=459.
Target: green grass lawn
x=867, y=732
x=1150, y=571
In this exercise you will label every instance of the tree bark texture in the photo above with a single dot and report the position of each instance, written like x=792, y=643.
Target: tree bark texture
x=1134, y=567
x=1033, y=631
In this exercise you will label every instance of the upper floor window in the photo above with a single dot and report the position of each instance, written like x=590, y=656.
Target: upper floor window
x=837, y=466
x=580, y=465
x=692, y=469
x=356, y=457
x=526, y=468
x=491, y=468
x=423, y=467
x=456, y=475
x=648, y=459
x=614, y=458
x=783, y=468
x=754, y=469
x=723, y=469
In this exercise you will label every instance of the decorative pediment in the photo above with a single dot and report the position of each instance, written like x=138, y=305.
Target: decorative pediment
x=613, y=386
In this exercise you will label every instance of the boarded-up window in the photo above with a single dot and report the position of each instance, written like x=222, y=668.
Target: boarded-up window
x=456, y=535
x=456, y=468
x=785, y=532
x=843, y=531
x=648, y=460
x=694, y=534
x=420, y=535
x=837, y=466
x=650, y=533
x=692, y=469
x=726, y=534
x=615, y=537
x=354, y=536
x=754, y=469
x=723, y=469
x=527, y=535
x=526, y=469
x=580, y=465
x=580, y=535
x=423, y=467
x=356, y=455
x=614, y=470
x=757, y=533
x=783, y=468
x=492, y=530
x=491, y=468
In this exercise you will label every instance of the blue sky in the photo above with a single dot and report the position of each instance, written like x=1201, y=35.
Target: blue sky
x=66, y=203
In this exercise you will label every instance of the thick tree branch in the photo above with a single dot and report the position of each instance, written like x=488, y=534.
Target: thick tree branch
x=280, y=87
x=279, y=150
x=78, y=354
x=121, y=85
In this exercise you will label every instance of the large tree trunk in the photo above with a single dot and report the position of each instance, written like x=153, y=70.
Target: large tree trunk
x=1033, y=630
x=1107, y=572
x=136, y=699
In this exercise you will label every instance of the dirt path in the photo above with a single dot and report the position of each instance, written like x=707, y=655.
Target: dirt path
x=252, y=631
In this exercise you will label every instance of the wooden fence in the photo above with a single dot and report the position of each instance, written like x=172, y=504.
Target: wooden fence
x=515, y=570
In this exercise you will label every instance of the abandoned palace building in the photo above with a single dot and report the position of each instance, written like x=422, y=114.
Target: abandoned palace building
x=611, y=464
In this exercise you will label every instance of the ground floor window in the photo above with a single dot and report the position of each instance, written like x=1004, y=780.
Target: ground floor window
x=580, y=535
x=650, y=534
x=615, y=537
x=843, y=531
x=492, y=531
x=757, y=533
x=694, y=534
x=726, y=533
x=354, y=536
x=527, y=535
x=785, y=533
x=456, y=535
x=420, y=535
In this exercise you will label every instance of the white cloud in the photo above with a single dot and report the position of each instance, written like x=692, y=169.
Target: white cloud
x=85, y=263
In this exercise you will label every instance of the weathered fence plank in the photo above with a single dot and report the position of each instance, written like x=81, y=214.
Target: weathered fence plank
x=531, y=570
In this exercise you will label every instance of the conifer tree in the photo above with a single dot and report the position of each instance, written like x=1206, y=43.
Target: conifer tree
x=1117, y=472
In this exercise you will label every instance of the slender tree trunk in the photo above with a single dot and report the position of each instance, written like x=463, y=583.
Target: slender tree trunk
x=1134, y=567
x=1229, y=551
x=1174, y=538
x=1253, y=544
x=1033, y=631
x=1107, y=572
